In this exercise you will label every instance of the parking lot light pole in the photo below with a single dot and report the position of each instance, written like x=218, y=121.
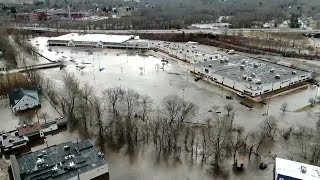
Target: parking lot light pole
x=183, y=97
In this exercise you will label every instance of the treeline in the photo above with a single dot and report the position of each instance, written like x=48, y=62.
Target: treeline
x=9, y=82
x=7, y=48
x=123, y=118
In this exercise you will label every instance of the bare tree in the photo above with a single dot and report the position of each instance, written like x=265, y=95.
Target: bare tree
x=45, y=116
x=284, y=107
x=218, y=135
x=229, y=108
x=131, y=99
x=114, y=96
x=237, y=142
x=189, y=110
x=172, y=106
x=69, y=100
x=312, y=101
x=146, y=107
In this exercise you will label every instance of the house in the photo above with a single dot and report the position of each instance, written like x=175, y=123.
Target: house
x=23, y=99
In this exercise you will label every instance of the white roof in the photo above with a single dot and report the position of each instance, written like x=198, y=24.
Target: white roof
x=93, y=38
x=293, y=169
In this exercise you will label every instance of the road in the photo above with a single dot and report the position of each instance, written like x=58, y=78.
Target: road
x=33, y=68
x=212, y=31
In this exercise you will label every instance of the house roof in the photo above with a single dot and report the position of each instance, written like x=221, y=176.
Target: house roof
x=29, y=129
x=16, y=95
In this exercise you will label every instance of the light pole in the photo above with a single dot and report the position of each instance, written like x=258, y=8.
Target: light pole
x=183, y=96
x=222, y=87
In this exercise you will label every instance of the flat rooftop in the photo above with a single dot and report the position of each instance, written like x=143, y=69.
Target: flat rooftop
x=59, y=162
x=94, y=38
x=294, y=169
x=12, y=139
x=251, y=71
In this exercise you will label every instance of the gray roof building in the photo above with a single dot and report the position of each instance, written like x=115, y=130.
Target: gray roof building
x=16, y=95
x=66, y=161
x=251, y=71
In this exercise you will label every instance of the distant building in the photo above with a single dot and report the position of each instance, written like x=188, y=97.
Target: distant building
x=222, y=19
x=291, y=170
x=99, y=41
x=66, y=161
x=210, y=26
x=23, y=99
x=285, y=24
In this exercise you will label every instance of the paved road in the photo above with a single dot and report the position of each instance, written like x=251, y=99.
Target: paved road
x=212, y=31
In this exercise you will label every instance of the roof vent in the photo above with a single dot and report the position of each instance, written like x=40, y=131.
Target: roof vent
x=210, y=65
x=221, y=60
x=294, y=72
x=303, y=169
x=244, y=77
x=258, y=81
x=272, y=70
x=55, y=168
x=253, y=74
x=226, y=60
x=242, y=67
x=40, y=161
x=100, y=154
x=277, y=76
x=255, y=65
x=71, y=164
x=249, y=78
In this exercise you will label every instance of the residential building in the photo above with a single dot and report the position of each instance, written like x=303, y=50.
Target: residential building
x=291, y=170
x=23, y=99
x=66, y=161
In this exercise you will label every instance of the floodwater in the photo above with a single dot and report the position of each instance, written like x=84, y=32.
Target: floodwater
x=106, y=68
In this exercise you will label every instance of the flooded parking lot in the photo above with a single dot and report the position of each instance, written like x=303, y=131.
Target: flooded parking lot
x=105, y=68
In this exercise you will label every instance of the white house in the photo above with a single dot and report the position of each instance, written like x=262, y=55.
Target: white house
x=23, y=99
